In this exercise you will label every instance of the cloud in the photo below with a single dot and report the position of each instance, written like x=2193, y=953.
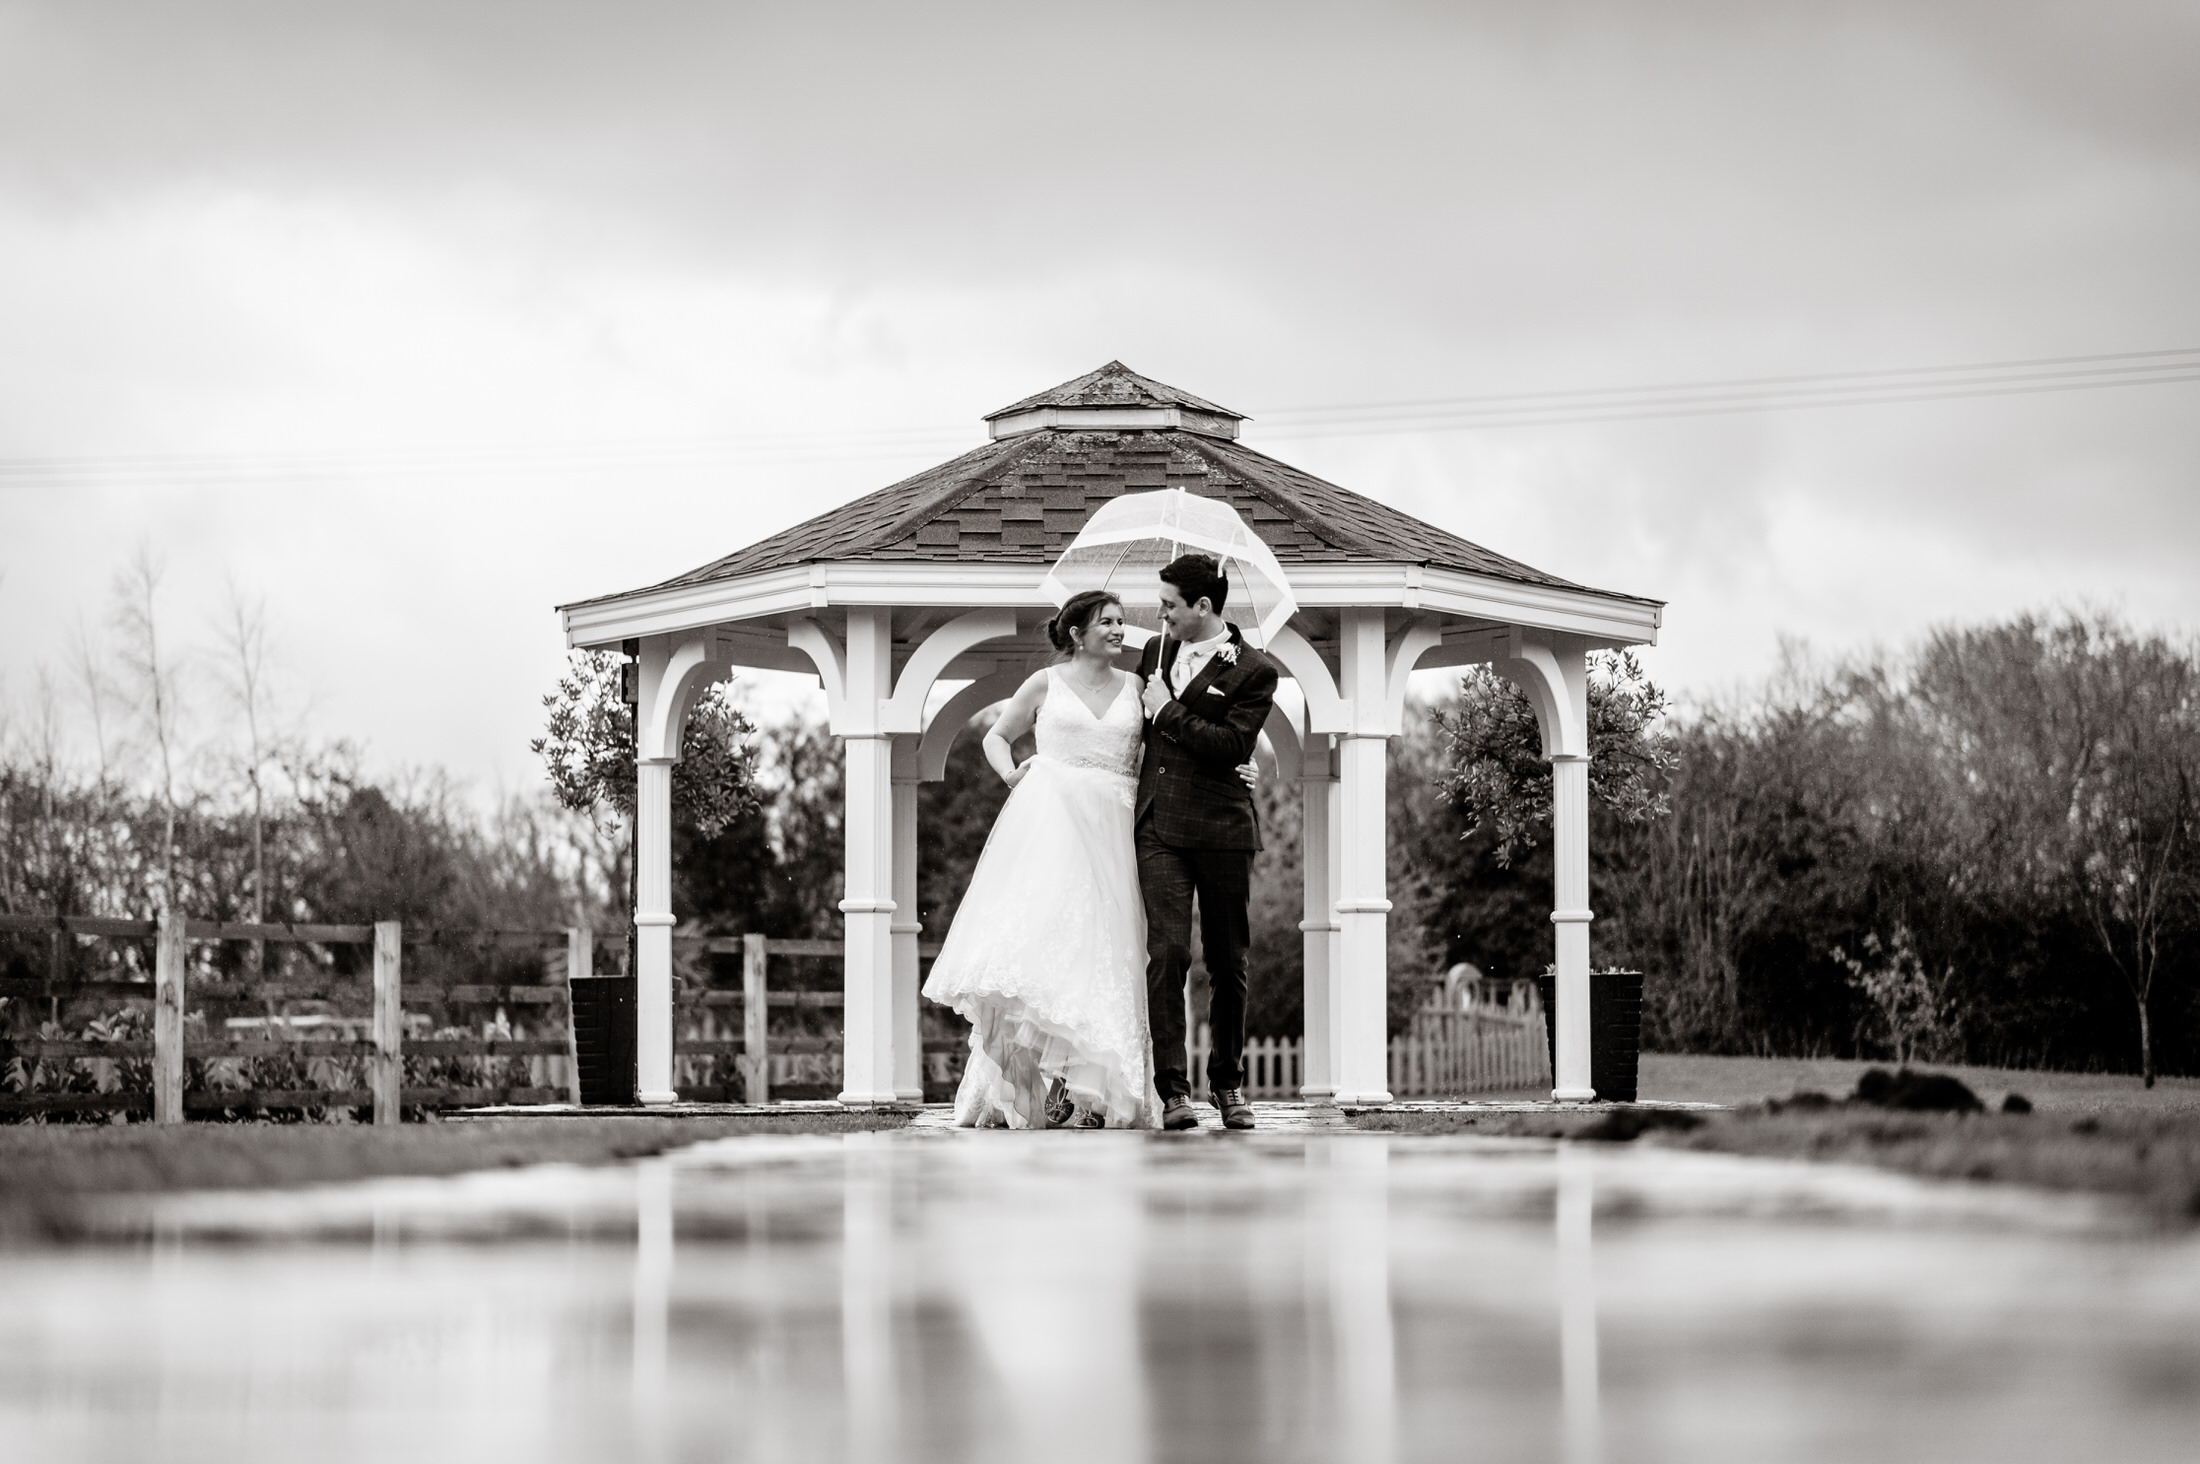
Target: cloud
x=521, y=286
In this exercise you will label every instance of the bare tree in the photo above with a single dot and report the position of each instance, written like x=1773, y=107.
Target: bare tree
x=2132, y=822
x=153, y=688
x=243, y=637
x=94, y=686
x=2075, y=745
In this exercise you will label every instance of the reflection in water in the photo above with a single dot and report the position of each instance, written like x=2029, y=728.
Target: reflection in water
x=1581, y=1422
x=1049, y=1299
x=1356, y=1206
x=1046, y=1280
x=652, y=1305
x=867, y=1302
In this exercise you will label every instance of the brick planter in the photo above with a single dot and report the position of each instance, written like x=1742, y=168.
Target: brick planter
x=1615, y=1031
x=603, y=1039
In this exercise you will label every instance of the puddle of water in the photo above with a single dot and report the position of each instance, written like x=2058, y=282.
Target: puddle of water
x=1047, y=1299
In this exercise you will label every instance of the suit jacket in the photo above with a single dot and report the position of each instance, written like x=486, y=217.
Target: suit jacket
x=1188, y=777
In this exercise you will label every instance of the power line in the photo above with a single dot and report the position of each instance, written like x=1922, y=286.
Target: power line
x=1755, y=382
x=276, y=469
x=1889, y=386
x=1648, y=406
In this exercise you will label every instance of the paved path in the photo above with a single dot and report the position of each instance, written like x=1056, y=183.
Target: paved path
x=1298, y=1294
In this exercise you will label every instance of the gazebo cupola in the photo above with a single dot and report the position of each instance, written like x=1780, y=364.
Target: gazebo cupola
x=935, y=580
x=1113, y=399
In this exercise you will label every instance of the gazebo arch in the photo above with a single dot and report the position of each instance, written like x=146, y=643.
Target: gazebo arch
x=935, y=579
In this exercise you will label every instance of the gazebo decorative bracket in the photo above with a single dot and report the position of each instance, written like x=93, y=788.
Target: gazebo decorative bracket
x=830, y=658
x=948, y=722
x=1415, y=641
x=1551, y=671
x=1326, y=711
x=904, y=711
x=674, y=672
x=901, y=712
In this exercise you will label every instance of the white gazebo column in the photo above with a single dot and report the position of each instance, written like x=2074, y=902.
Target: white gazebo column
x=1359, y=1000
x=1318, y=800
x=1552, y=670
x=653, y=922
x=871, y=712
x=673, y=670
x=1570, y=917
x=867, y=906
x=908, y=1044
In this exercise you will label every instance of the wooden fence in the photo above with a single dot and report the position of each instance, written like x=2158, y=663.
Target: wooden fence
x=370, y=1044
x=723, y=1048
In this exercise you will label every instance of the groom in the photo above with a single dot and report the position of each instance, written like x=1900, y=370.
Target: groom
x=1206, y=697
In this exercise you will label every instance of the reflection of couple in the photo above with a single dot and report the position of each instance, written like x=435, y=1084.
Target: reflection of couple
x=1075, y=935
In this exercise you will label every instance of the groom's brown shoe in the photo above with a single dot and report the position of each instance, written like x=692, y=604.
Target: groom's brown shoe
x=1178, y=1113
x=1236, y=1112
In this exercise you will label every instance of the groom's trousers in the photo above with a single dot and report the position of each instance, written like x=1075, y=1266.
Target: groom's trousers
x=1222, y=880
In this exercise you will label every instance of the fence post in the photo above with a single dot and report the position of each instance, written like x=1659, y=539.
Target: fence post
x=580, y=962
x=755, y=1018
x=389, y=1022
x=170, y=955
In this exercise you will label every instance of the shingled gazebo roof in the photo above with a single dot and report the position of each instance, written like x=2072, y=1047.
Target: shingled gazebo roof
x=1020, y=500
x=977, y=531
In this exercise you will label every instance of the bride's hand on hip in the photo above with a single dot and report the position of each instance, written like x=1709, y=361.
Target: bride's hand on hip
x=1015, y=774
x=1250, y=772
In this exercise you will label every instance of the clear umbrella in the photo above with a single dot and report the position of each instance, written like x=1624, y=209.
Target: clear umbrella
x=1126, y=542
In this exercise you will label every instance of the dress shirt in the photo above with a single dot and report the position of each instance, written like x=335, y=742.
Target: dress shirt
x=1194, y=656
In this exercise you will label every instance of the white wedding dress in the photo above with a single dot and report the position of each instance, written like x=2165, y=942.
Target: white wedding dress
x=1047, y=955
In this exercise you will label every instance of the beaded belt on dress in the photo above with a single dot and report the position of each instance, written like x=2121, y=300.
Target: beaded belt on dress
x=1129, y=780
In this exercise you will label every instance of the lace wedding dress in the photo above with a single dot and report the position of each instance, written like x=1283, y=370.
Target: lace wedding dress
x=1047, y=956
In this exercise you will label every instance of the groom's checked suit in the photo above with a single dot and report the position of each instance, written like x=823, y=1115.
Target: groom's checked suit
x=1197, y=833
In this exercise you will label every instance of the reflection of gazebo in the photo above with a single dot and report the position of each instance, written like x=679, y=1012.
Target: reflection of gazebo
x=935, y=579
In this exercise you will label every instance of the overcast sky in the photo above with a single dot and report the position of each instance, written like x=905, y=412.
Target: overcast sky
x=418, y=320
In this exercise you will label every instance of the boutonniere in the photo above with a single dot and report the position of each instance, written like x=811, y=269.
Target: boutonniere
x=1227, y=652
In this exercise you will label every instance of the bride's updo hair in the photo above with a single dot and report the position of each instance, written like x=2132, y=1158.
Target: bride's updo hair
x=1077, y=616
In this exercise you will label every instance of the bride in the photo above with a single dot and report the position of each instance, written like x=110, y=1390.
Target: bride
x=1047, y=955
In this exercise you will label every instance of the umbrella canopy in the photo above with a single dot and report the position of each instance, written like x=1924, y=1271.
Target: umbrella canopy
x=1123, y=547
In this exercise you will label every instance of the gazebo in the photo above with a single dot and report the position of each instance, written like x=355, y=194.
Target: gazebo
x=934, y=581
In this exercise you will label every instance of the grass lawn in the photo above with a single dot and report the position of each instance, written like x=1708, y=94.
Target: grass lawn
x=2097, y=1132
x=2088, y=1132
x=1736, y=1082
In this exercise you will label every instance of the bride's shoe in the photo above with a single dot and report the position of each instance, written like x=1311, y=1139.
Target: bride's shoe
x=1059, y=1108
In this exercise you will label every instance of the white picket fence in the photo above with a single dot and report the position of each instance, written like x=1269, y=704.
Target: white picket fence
x=1469, y=1052
x=1444, y=1053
